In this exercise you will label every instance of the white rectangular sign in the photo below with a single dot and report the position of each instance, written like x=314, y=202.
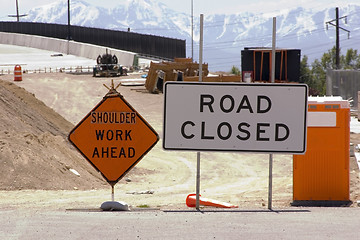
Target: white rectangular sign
x=269, y=118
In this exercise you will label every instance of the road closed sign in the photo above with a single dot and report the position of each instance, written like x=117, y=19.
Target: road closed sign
x=269, y=118
x=113, y=137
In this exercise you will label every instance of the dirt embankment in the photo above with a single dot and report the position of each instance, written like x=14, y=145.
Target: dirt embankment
x=34, y=152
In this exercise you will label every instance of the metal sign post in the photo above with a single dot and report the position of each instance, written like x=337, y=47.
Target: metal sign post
x=273, y=52
x=200, y=80
x=112, y=192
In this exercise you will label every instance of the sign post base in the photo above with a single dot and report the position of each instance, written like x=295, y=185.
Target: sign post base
x=114, y=206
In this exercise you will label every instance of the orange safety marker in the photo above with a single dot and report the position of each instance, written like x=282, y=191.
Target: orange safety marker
x=191, y=202
x=17, y=73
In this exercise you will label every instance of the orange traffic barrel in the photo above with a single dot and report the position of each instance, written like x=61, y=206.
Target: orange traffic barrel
x=17, y=73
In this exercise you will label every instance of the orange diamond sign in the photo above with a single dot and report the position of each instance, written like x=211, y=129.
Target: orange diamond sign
x=113, y=137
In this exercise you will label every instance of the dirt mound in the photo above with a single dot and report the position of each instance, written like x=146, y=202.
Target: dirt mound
x=34, y=152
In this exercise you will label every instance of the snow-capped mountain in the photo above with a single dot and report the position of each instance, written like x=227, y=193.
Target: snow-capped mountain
x=224, y=35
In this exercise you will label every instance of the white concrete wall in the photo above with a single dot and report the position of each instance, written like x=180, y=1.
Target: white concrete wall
x=63, y=46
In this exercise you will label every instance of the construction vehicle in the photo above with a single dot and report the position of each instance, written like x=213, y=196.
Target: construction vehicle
x=107, y=66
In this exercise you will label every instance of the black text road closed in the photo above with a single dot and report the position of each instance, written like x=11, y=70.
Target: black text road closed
x=235, y=117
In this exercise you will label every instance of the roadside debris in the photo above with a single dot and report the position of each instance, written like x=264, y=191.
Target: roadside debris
x=142, y=192
x=182, y=69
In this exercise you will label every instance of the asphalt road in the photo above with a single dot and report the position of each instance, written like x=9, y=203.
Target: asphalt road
x=296, y=223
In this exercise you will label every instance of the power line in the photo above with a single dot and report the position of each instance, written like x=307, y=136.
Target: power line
x=264, y=39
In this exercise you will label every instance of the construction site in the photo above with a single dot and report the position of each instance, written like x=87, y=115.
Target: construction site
x=41, y=105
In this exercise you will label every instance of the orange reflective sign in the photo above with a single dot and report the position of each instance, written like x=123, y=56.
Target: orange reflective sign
x=113, y=137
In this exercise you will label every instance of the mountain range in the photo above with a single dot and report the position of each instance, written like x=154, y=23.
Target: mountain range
x=225, y=35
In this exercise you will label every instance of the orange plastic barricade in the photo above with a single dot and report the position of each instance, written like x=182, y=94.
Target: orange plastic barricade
x=191, y=202
x=321, y=176
x=17, y=73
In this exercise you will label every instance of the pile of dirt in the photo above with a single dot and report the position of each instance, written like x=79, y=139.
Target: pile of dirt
x=34, y=151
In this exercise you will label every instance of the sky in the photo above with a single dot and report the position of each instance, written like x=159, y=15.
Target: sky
x=200, y=6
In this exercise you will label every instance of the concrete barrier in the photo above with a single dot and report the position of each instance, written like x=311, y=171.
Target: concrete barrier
x=67, y=47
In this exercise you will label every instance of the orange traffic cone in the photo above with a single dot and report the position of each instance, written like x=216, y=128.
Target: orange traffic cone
x=191, y=202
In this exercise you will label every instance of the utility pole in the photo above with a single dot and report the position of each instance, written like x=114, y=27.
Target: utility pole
x=337, y=26
x=18, y=16
x=69, y=33
x=17, y=11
